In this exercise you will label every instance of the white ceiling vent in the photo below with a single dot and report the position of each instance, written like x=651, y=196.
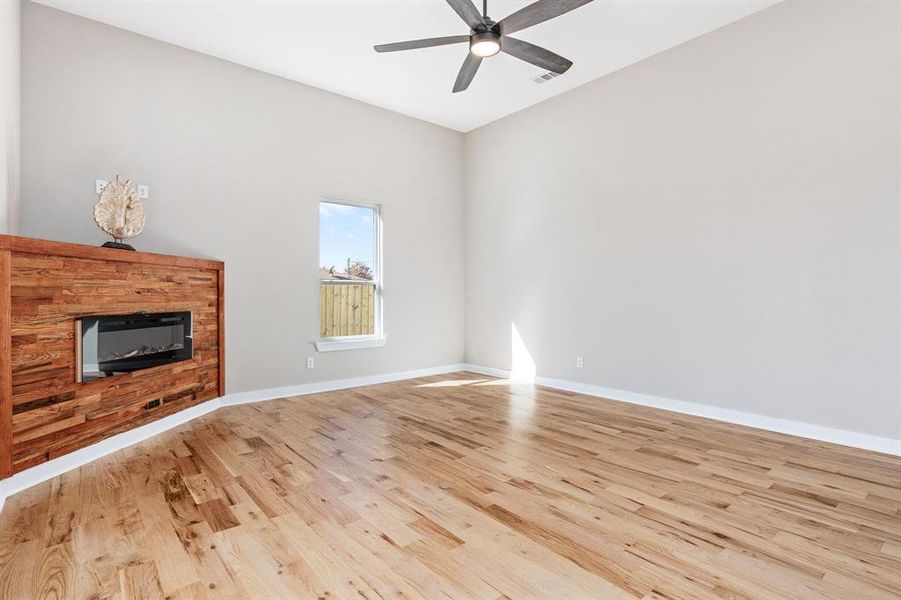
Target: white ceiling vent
x=545, y=77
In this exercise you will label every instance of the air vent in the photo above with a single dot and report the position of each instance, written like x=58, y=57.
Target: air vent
x=545, y=77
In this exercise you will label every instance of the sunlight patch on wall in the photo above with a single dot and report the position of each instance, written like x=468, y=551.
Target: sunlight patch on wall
x=523, y=366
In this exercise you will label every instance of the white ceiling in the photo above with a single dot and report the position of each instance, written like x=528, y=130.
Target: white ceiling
x=328, y=44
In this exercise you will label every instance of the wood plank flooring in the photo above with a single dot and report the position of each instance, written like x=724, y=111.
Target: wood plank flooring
x=460, y=486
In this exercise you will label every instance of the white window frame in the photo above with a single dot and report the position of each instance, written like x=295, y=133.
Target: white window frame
x=354, y=342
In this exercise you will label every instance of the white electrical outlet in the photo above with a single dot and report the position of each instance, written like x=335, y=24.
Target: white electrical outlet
x=99, y=185
x=310, y=363
x=143, y=192
x=579, y=362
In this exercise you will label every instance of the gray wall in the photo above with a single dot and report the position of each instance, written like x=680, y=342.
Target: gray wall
x=718, y=224
x=236, y=161
x=10, y=36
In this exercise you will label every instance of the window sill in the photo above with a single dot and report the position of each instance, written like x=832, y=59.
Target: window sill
x=349, y=344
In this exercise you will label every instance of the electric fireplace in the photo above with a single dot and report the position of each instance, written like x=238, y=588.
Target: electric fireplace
x=116, y=344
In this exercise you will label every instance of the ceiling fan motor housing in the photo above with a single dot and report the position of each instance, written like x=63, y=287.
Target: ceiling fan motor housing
x=485, y=43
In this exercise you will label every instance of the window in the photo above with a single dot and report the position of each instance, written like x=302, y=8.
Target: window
x=349, y=271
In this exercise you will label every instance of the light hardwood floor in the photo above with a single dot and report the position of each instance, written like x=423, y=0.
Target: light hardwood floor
x=460, y=486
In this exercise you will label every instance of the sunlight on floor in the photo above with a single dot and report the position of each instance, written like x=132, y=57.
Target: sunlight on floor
x=491, y=382
x=453, y=383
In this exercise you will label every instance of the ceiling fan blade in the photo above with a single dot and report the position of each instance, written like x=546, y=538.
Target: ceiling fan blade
x=467, y=72
x=535, y=54
x=468, y=12
x=425, y=43
x=537, y=12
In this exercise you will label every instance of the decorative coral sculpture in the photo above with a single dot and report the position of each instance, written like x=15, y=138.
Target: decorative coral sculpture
x=119, y=212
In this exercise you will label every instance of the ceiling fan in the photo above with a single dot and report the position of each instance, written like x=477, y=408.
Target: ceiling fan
x=487, y=38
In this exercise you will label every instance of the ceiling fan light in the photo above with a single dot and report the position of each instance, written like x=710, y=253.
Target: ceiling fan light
x=485, y=44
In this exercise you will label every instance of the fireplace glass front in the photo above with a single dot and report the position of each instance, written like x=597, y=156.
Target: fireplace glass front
x=116, y=344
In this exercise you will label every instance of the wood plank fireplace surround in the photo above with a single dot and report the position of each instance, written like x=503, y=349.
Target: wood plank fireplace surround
x=45, y=287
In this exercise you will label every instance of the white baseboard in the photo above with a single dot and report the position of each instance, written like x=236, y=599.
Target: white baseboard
x=797, y=428
x=68, y=462
x=58, y=466
x=335, y=384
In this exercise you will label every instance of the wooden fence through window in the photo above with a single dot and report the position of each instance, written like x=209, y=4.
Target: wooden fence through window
x=346, y=308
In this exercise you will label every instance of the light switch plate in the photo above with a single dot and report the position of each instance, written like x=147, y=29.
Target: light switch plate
x=99, y=185
x=143, y=192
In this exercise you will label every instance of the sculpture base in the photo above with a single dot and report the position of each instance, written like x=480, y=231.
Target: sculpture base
x=118, y=246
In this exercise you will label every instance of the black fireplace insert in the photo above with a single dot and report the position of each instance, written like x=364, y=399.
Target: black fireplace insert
x=116, y=344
